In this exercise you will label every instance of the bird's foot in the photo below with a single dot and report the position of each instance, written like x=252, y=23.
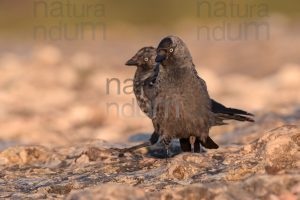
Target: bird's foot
x=192, y=142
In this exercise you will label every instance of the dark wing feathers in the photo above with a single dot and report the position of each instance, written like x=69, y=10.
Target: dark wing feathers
x=219, y=108
x=234, y=117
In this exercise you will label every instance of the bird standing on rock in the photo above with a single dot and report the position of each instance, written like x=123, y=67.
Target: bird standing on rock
x=145, y=90
x=182, y=107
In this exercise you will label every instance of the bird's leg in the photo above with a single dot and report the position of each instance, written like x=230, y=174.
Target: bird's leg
x=168, y=152
x=166, y=142
x=201, y=148
x=192, y=142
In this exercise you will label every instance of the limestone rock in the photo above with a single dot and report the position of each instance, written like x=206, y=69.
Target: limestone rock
x=267, y=168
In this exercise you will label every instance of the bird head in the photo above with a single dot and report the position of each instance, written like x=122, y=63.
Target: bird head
x=144, y=58
x=172, y=50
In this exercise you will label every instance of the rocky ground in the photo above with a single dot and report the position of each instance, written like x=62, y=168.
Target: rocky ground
x=267, y=168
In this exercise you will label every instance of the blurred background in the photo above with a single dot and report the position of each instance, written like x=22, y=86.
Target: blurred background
x=63, y=79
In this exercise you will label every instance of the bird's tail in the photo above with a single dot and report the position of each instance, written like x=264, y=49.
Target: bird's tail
x=209, y=144
x=221, y=117
x=153, y=139
x=223, y=113
x=136, y=147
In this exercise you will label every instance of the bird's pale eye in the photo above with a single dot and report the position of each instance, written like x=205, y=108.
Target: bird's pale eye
x=146, y=59
x=171, y=50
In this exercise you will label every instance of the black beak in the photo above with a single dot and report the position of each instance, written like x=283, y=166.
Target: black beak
x=131, y=62
x=161, y=56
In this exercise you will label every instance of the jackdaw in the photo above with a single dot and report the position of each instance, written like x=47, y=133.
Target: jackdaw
x=146, y=90
x=183, y=108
